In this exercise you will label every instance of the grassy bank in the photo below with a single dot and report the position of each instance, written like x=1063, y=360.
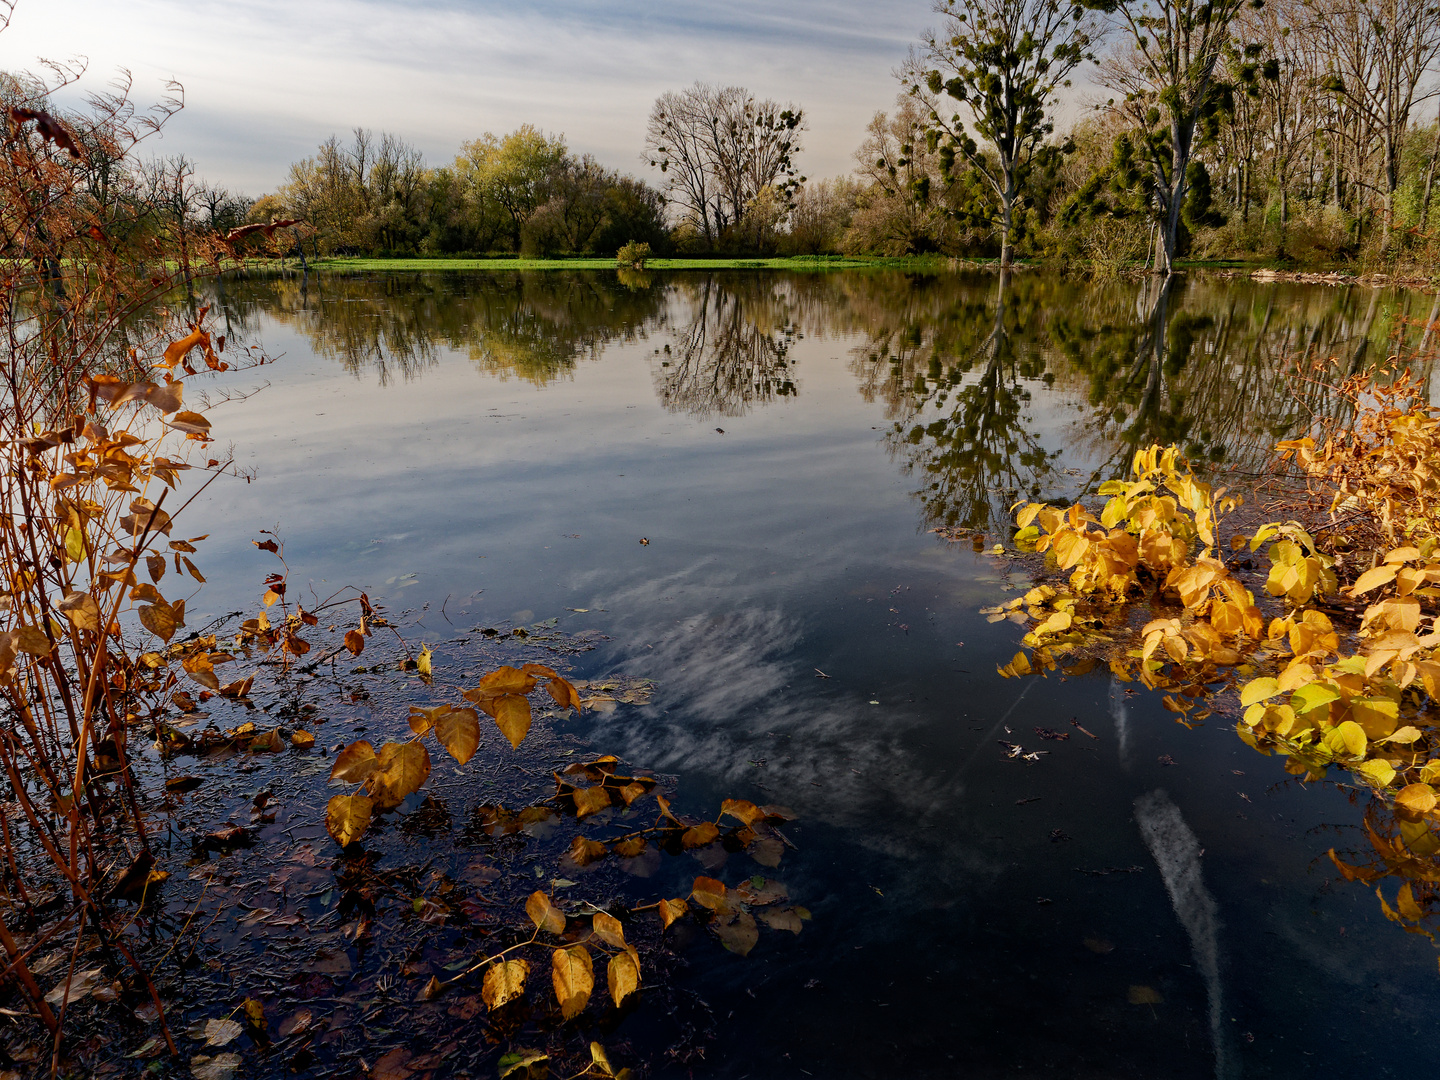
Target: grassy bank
x=802, y=262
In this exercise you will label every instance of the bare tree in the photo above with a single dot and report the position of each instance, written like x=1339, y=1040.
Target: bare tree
x=1379, y=54
x=718, y=148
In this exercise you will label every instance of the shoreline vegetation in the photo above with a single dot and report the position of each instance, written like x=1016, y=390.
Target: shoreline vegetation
x=1260, y=271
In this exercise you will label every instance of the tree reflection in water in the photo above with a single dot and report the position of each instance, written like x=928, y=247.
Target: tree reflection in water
x=729, y=347
x=533, y=326
x=1035, y=386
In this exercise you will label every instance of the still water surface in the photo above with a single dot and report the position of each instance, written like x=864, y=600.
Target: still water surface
x=490, y=450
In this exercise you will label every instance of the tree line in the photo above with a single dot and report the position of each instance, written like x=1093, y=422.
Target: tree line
x=1287, y=128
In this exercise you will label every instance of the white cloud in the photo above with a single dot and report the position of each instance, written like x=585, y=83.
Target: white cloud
x=265, y=81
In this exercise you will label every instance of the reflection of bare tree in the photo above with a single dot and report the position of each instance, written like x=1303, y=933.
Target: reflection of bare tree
x=729, y=351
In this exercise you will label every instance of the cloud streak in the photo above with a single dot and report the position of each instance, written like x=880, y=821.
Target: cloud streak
x=266, y=81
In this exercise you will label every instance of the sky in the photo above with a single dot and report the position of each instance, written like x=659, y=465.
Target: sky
x=267, y=80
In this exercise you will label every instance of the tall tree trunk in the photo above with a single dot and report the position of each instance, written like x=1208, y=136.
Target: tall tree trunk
x=1429, y=181
x=1007, y=223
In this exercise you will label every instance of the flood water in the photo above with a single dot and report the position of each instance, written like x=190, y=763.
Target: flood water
x=1141, y=901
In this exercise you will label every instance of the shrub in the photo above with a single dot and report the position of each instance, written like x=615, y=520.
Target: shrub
x=633, y=255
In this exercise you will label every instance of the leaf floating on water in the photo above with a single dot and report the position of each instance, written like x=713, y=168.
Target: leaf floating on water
x=1143, y=995
x=1416, y=798
x=767, y=852
x=573, y=976
x=221, y=1032
x=219, y=1067
x=82, y=985
x=403, y=768
x=591, y=801
x=296, y=1024
x=584, y=851
x=512, y=717
x=424, y=662
x=742, y=810
x=608, y=929
x=524, y=1065
x=347, y=817
x=709, y=893
x=504, y=981
x=782, y=919
x=302, y=739
x=544, y=914
x=623, y=976
x=393, y=1066
x=355, y=642
x=670, y=910
x=355, y=763
x=739, y=936
x=459, y=732
x=700, y=835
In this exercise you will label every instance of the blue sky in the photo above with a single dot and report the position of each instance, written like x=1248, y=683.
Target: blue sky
x=266, y=80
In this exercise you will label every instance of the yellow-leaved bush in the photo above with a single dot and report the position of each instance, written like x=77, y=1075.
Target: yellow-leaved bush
x=1359, y=701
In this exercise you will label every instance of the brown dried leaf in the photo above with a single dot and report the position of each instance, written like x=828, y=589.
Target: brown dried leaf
x=590, y=801
x=80, y=608
x=707, y=832
x=32, y=640
x=573, y=976
x=623, y=975
x=782, y=919
x=192, y=423
x=506, y=680
x=504, y=982
x=459, y=732
x=584, y=851
x=707, y=892
x=355, y=642
x=512, y=717
x=742, y=810
x=670, y=910
x=355, y=763
x=563, y=692
x=159, y=619
x=403, y=768
x=545, y=915
x=739, y=936
x=608, y=929
x=347, y=817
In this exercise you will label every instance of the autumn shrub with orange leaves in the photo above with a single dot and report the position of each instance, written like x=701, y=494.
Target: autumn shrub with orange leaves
x=1333, y=677
x=97, y=442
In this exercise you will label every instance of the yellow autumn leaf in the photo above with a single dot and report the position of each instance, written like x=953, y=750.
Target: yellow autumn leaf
x=347, y=817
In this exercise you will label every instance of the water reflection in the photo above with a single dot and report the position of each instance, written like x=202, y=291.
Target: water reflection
x=535, y=327
x=840, y=667
x=1032, y=386
x=729, y=347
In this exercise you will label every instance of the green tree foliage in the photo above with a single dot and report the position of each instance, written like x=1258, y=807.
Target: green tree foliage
x=523, y=191
x=1166, y=72
x=1005, y=62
